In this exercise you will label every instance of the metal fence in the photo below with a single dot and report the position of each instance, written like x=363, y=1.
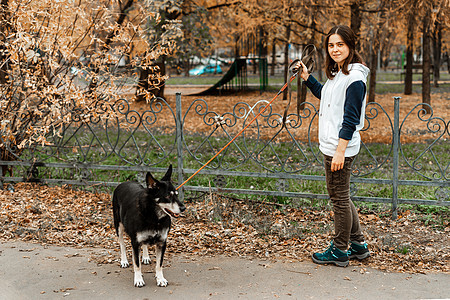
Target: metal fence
x=268, y=159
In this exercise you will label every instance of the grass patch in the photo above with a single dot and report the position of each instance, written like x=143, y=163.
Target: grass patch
x=264, y=159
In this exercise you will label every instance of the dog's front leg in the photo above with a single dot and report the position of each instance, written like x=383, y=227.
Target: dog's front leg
x=145, y=256
x=138, y=279
x=160, y=249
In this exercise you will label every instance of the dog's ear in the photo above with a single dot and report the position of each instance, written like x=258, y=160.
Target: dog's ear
x=151, y=181
x=168, y=174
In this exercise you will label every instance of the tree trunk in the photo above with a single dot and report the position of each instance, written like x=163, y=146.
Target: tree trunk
x=147, y=85
x=5, y=27
x=375, y=52
x=447, y=58
x=236, y=47
x=286, y=58
x=301, y=88
x=320, y=59
x=159, y=91
x=274, y=57
x=373, y=73
x=318, y=64
x=426, y=64
x=384, y=59
x=142, y=85
x=409, y=54
x=437, y=44
x=355, y=22
x=262, y=62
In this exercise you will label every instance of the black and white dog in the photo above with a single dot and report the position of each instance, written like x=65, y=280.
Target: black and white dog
x=145, y=215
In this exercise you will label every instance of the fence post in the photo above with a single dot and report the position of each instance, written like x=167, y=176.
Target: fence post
x=179, y=128
x=396, y=147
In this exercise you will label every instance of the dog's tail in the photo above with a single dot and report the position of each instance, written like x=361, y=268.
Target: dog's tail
x=116, y=212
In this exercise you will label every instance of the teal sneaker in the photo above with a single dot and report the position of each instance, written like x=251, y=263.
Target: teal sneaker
x=332, y=255
x=359, y=251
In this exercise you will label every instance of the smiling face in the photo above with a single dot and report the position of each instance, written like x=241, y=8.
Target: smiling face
x=338, y=49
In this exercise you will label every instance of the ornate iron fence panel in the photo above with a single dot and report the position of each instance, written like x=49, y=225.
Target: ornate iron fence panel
x=289, y=153
x=424, y=160
x=115, y=139
x=269, y=158
x=255, y=146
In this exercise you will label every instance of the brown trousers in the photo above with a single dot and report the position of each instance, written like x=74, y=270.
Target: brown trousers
x=346, y=220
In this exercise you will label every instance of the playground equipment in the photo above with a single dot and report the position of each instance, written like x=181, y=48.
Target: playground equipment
x=236, y=78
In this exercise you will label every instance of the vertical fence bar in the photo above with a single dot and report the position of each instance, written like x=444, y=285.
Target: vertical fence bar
x=396, y=148
x=179, y=126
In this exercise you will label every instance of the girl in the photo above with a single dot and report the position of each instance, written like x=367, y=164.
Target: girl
x=341, y=116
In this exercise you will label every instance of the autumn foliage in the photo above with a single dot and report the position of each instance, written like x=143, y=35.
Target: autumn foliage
x=65, y=61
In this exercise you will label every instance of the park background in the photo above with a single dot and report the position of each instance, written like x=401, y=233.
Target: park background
x=66, y=62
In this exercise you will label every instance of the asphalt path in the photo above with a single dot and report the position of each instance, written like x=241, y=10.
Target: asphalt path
x=32, y=271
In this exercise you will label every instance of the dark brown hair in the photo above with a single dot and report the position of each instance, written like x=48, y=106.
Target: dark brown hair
x=349, y=38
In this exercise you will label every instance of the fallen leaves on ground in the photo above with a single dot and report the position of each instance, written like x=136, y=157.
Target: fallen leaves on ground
x=221, y=225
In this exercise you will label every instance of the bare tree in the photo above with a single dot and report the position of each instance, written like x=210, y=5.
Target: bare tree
x=355, y=21
x=437, y=45
x=380, y=21
x=409, y=52
x=286, y=58
x=426, y=59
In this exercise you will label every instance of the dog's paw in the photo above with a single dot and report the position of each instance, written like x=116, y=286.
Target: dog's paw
x=124, y=264
x=161, y=281
x=146, y=260
x=138, y=281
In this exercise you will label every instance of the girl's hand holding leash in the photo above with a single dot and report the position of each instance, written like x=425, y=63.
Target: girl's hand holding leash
x=302, y=69
x=305, y=65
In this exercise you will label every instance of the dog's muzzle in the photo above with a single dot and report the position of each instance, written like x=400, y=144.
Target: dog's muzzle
x=171, y=213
